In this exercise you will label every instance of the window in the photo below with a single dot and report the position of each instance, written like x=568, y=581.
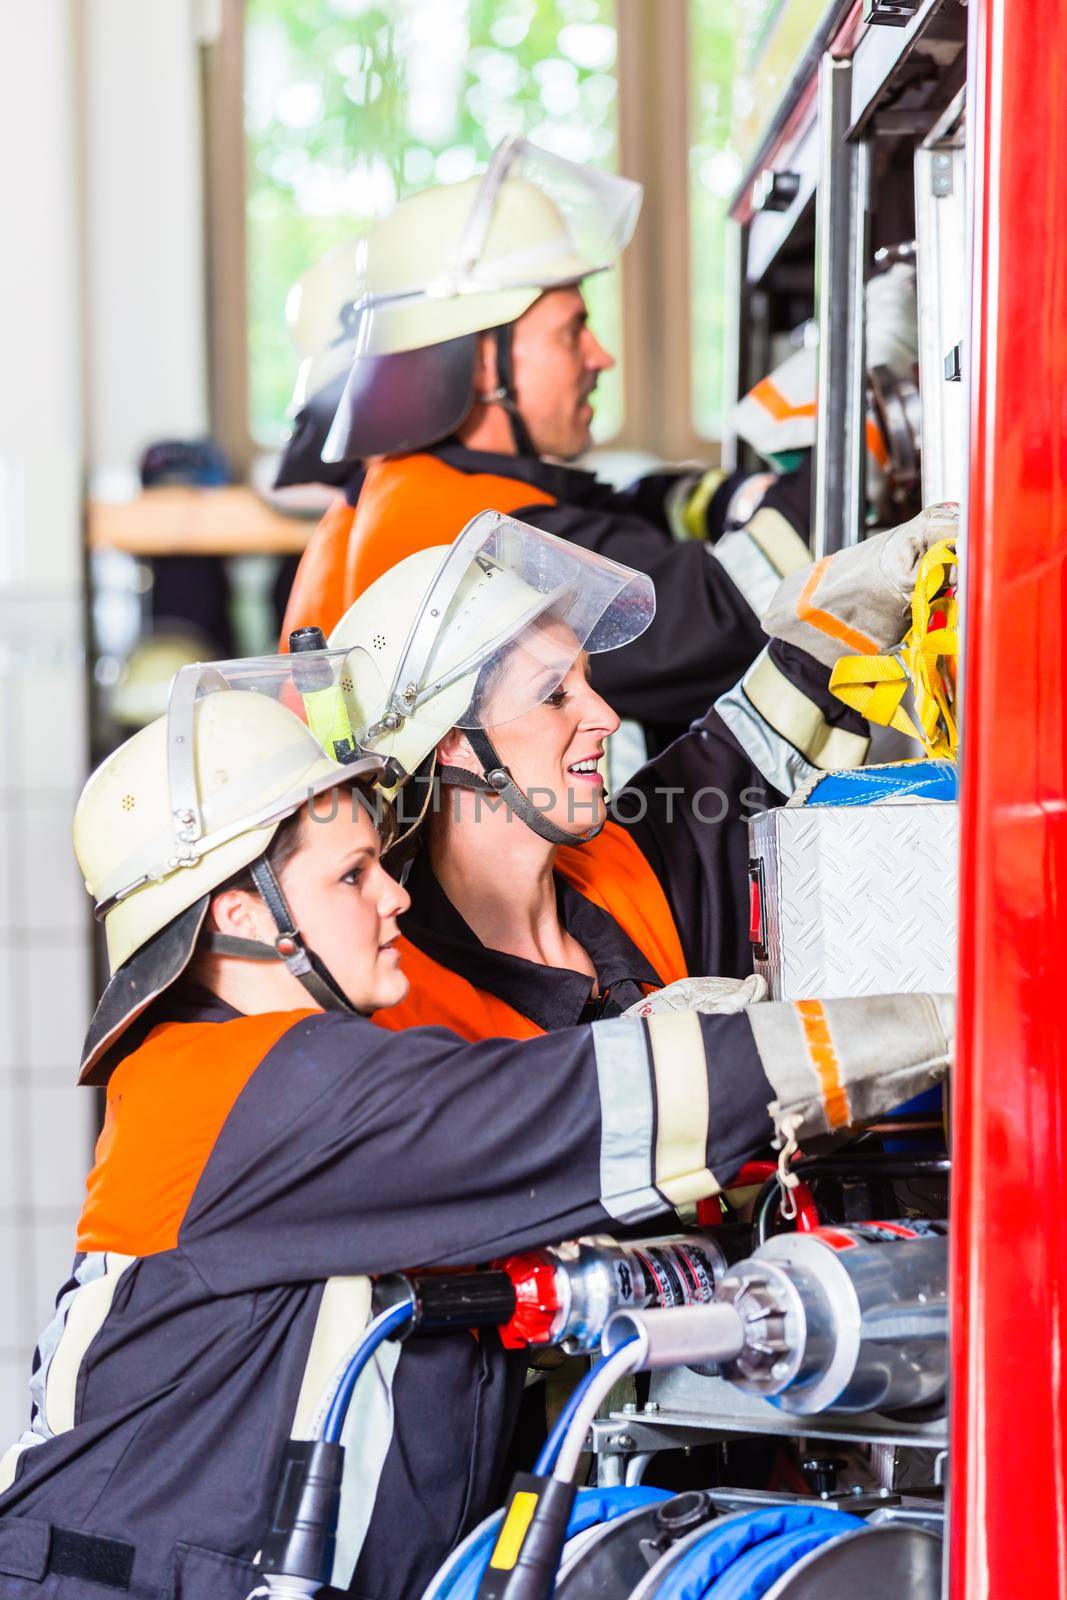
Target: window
x=714, y=173
x=350, y=105
x=742, y=55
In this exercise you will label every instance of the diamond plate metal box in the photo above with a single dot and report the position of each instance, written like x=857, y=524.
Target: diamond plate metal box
x=855, y=899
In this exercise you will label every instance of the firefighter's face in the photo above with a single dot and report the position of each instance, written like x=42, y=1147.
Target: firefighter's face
x=557, y=360
x=553, y=750
x=345, y=903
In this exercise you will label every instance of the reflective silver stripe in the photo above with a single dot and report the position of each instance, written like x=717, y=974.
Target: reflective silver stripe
x=759, y=555
x=92, y=1268
x=86, y=1315
x=752, y=572
x=626, y=1120
x=627, y=752
x=79, y=1316
x=9, y=1461
x=799, y=719
x=784, y=733
x=775, y=757
x=367, y=1436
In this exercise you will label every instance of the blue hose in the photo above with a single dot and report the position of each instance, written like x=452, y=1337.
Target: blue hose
x=382, y=1328
x=554, y=1443
x=461, y=1574
x=697, y=1570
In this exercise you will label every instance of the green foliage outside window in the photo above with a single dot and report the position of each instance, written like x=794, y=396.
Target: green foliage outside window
x=350, y=105
x=714, y=173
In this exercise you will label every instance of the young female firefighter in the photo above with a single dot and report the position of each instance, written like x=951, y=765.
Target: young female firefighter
x=531, y=909
x=267, y=1149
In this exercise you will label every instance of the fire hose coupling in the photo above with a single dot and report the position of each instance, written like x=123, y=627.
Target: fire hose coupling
x=844, y=1319
x=563, y=1295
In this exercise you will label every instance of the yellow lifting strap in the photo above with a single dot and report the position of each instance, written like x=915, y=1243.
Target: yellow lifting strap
x=875, y=686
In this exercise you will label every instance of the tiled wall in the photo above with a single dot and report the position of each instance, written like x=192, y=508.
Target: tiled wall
x=103, y=348
x=46, y=1124
x=45, y=970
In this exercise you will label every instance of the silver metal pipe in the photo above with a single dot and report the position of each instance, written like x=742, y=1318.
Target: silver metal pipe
x=840, y=240
x=680, y=1337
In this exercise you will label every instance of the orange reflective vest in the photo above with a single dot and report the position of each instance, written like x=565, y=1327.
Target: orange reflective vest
x=406, y=503
x=611, y=872
x=167, y=1103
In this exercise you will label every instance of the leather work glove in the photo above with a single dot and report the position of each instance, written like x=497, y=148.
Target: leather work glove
x=719, y=995
x=858, y=601
x=832, y=1063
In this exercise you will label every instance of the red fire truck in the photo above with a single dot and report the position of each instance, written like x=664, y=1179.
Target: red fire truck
x=939, y=121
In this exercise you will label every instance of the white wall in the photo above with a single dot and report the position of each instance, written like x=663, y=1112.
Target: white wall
x=144, y=232
x=102, y=349
x=46, y=1124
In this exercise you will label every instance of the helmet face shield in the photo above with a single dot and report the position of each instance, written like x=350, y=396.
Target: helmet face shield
x=533, y=221
x=301, y=459
x=485, y=633
x=295, y=747
x=457, y=259
x=593, y=215
x=403, y=401
x=523, y=673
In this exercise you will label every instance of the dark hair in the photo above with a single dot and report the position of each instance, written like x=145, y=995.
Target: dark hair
x=282, y=848
x=287, y=840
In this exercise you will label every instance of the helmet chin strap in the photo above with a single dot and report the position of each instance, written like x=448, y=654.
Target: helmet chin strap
x=497, y=779
x=504, y=394
x=289, y=947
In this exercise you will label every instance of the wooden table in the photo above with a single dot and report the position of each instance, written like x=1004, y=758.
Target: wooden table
x=230, y=521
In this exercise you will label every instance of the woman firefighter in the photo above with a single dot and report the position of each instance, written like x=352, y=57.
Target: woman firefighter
x=532, y=908
x=267, y=1149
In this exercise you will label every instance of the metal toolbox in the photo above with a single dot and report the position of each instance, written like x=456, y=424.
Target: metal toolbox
x=854, y=899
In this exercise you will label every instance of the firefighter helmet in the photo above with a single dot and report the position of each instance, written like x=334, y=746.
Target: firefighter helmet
x=175, y=812
x=398, y=310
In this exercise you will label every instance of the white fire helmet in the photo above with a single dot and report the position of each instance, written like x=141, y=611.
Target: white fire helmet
x=476, y=633
x=393, y=315
x=177, y=810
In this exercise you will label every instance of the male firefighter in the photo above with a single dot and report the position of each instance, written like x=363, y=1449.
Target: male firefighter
x=455, y=336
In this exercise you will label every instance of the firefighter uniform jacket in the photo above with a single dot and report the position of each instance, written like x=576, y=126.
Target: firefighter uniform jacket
x=662, y=892
x=708, y=594
x=250, y=1171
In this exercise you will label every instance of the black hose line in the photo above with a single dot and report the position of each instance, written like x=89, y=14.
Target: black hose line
x=855, y=1166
